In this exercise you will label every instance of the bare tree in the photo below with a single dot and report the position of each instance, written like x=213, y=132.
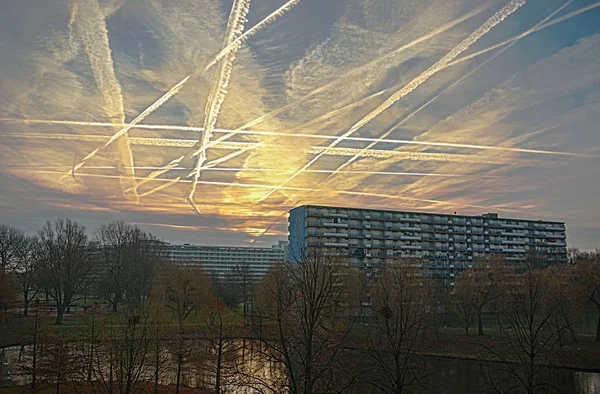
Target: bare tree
x=478, y=287
x=11, y=241
x=400, y=304
x=128, y=256
x=464, y=301
x=528, y=334
x=127, y=351
x=36, y=329
x=66, y=262
x=302, y=325
x=244, y=283
x=27, y=270
x=9, y=291
x=182, y=290
x=219, y=359
x=585, y=274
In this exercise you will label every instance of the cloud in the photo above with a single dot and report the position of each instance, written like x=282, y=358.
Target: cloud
x=315, y=72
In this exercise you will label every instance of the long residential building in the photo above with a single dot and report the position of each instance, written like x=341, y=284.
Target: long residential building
x=222, y=261
x=447, y=243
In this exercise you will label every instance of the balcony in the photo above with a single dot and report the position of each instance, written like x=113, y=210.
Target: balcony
x=410, y=237
x=408, y=228
x=555, y=243
x=513, y=250
x=511, y=225
x=339, y=215
x=335, y=234
x=409, y=219
x=335, y=224
x=335, y=244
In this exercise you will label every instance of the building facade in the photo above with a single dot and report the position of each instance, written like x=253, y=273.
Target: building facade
x=447, y=243
x=223, y=261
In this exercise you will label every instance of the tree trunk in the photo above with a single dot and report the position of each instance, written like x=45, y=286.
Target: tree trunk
x=219, y=362
x=598, y=326
x=34, y=356
x=480, y=322
x=25, y=303
x=178, y=379
x=467, y=330
x=60, y=312
x=156, y=365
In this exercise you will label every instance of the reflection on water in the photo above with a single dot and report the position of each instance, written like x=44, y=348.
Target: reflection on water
x=452, y=376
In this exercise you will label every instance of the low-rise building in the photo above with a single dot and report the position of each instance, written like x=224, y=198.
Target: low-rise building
x=223, y=261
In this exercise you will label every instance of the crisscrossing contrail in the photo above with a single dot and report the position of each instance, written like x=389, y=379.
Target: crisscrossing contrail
x=497, y=18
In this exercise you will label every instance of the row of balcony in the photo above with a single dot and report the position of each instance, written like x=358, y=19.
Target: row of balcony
x=427, y=229
x=431, y=219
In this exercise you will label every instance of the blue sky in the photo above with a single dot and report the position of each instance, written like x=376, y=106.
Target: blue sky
x=447, y=105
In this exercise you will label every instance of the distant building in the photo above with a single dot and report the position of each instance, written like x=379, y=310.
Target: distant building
x=448, y=243
x=221, y=261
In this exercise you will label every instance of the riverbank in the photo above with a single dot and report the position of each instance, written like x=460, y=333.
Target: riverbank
x=452, y=343
x=583, y=355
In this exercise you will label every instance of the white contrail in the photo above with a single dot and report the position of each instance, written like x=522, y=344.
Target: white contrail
x=189, y=143
x=161, y=187
x=528, y=32
x=265, y=170
x=321, y=118
x=242, y=147
x=89, y=21
x=234, y=45
x=358, y=70
x=413, y=156
x=173, y=164
x=369, y=65
x=174, y=90
x=218, y=93
x=226, y=158
x=304, y=189
x=162, y=142
x=405, y=119
x=497, y=18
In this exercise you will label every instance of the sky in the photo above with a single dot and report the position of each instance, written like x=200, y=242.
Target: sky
x=206, y=121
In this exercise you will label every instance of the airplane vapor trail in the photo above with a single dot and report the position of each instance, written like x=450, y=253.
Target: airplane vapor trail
x=319, y=151
x=234, y=45
x=358, y=70
x=226, y=158
x=188, y=143
x=528, y=32
x=263, y=186
x=161, y=187
x=173, y=164
x=162, y=142
x=241, y=129
x=89, y=22
x=265, y=170
x=406, y=118
x=369, y=65
x=174, y=90
x=497, y=18
x=318, y=119
x=235, y=28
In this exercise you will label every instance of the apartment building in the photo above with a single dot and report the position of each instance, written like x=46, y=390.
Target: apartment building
x=221, y=261
x=448, y=243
